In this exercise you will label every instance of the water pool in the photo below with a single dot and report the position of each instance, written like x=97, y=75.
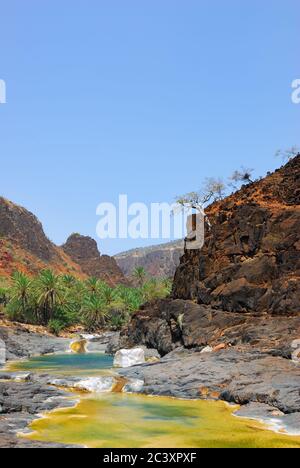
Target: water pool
x=119, y=420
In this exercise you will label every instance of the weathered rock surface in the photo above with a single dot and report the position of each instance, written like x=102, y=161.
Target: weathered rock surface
x=168, y=324
x=251, y=258
x=157, y=260
x=83, y=250
x=230, y=375
x=21, y=343
x=20, y=403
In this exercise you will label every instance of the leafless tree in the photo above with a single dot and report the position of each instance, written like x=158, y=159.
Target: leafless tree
x=244, y=176
x=213, y=190
x=288, y=154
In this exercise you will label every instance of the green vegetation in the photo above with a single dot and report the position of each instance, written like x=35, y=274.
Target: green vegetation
x=61, y=301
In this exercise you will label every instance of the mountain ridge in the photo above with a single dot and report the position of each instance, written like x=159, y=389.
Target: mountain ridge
x=25, y=247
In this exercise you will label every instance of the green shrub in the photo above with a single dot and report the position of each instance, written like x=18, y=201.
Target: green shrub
x=55, y=326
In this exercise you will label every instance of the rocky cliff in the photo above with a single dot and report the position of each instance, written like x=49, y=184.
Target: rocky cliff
x=242, y=289
x=251, y=258
x=83, y=250
x=160, y=260
x=24, y=246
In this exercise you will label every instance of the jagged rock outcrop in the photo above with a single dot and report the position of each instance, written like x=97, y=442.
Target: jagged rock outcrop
x=83, y=250
x=158, y=260
x=251, y=258
x=24, y=245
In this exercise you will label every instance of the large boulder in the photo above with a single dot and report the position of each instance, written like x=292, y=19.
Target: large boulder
x=129, y=357
x=96, y=384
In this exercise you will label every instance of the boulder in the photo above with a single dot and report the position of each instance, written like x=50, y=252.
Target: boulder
x=129, y=357
x=2, y=352
x=96, y=384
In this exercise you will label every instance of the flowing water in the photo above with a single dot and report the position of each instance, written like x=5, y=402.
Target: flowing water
x=121, y=420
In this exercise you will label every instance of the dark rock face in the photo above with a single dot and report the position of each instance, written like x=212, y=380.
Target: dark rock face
x=83, y=250
x=160, y=260
x=251, y=258
x=169, y=324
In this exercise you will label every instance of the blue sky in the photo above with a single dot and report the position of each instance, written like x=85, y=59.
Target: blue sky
x=145, y=98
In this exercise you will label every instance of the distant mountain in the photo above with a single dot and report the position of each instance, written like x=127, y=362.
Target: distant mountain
x=24, y=246
x=158, y=260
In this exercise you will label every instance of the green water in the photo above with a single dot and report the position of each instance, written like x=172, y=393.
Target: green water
x=121, y=420
x=90, y=364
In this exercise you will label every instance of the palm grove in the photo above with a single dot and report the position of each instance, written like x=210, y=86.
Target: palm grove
x=61, y=301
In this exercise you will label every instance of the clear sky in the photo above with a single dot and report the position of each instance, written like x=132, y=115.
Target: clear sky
x=141, y=97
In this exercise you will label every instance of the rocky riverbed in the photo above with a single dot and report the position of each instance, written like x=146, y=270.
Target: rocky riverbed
x=264, y=380
x=24, y=395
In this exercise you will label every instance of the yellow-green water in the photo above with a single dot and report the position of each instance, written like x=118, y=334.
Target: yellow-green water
x=118, y=420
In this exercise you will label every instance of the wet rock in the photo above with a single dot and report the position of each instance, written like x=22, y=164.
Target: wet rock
x=274, y=419
x=134, y=386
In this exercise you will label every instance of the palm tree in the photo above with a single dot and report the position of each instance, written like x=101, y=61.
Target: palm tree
x=69, y=281
x=50, y=293
x=94, y=312
x=21, y=290
x=139, y=274
x=107, y=294
x=155, y=289
x=92, y=285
